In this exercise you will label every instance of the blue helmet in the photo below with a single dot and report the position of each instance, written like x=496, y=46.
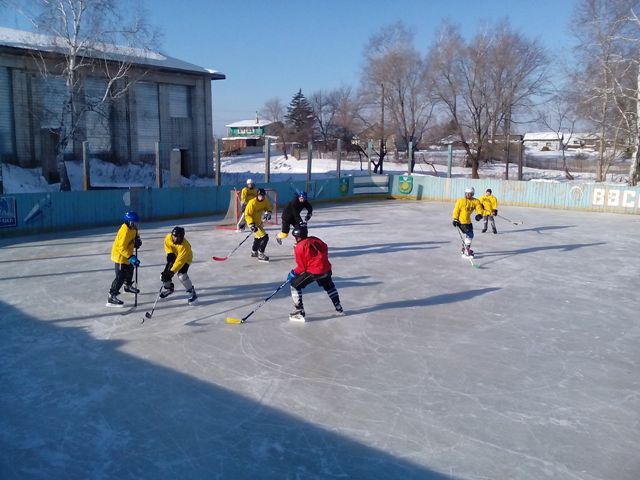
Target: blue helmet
x=131, y=217
x=302, y=194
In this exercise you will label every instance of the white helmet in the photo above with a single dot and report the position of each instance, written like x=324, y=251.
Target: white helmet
x=249, y=181
x=469, y=190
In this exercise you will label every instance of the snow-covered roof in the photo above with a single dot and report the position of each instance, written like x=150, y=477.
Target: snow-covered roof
x=551, y=136
x=24, y=40
x=533, y=136
x=250, y=123
x=247, y=137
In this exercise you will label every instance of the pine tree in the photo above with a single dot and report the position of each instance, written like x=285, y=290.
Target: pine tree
x=300, y=118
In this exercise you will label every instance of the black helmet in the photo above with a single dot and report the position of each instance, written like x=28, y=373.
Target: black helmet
x=300, y=231
x=261, y=191
x=178, y=232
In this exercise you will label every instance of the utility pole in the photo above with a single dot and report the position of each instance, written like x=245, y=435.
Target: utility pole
x=382, y=149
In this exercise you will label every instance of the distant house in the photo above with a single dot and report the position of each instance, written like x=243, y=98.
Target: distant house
x=542, y=141
x=169, y=105
x=246, y=136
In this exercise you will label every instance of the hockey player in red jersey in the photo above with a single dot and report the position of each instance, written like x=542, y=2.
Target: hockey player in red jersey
x=312, y=265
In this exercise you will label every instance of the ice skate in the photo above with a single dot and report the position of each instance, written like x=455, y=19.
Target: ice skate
x=114, y=301
x=192, y=295
x=279, y=240
x=263, y=258
x=167, y=291
x=467, y=253
x=484, y=230
x=254, y=254
x=297, y=315
x=339, y=309
x=131, y=289
x=495, y=231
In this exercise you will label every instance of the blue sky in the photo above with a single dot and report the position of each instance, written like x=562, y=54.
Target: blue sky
x=272, y=48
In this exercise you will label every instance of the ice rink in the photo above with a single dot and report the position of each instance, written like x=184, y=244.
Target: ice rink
x=523, y=368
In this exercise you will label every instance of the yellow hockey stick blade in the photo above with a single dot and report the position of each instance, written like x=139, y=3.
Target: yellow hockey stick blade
x=233, y=320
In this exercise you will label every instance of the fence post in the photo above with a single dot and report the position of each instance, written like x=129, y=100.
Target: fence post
x=86, y=170
x=339, y=159
x=309, y=157
x=218, y=163
x=410, y=158
x=449, y=159
x=267, y=160
x=369, y=154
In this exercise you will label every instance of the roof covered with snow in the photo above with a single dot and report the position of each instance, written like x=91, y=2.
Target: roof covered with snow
x=24, y=40
x=250, y=123
x=550, y=136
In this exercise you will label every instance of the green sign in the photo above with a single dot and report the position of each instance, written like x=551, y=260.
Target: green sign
x=405, y=184
x=344, y=186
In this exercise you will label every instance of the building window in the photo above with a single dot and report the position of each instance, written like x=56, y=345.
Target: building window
x=7, y=147
x=147, y=118
x=179, y=105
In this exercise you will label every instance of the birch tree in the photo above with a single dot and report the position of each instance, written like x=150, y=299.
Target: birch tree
x=92, y=37
x=607, y=50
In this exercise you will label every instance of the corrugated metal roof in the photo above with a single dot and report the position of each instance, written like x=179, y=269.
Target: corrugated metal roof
x=24, y=40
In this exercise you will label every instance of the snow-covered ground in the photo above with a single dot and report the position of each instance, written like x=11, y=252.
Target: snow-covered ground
x=235, y=170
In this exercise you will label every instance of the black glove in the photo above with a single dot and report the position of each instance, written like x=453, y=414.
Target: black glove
x=171, y=257
x=456, y=223
x=307, y=217
x=495, y=212
x=478, y=217
x=137, y=243
x=166, y=276
x=253, y=228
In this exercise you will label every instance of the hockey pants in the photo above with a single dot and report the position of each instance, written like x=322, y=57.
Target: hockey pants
x=306, y=278
x=124, y=274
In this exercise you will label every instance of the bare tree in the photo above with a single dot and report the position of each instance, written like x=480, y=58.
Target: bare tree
x=460, y=73
x=560, y=117
x=634, y=171
x=274, y=110
x=324, y=108
x=394, y=79
x=92, y=37
x=518, y=76
x=481, y=83
x=607, y=51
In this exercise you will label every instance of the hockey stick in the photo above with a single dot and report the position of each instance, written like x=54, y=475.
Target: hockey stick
x=150, y=314
x=244, y=319
x=222, y=259
x=135, y=298
x=465, y=246
x=510, y=221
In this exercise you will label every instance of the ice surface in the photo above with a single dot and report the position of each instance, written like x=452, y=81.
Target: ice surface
x=526, y=367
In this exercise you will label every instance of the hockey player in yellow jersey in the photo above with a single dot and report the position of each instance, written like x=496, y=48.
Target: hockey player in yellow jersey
x=490, y=205
x=122, y=253
x=259, y=210
x=246, y=194
x=462, y=217
x=179, y=258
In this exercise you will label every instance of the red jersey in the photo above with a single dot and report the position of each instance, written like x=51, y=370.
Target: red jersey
x=312, y=255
